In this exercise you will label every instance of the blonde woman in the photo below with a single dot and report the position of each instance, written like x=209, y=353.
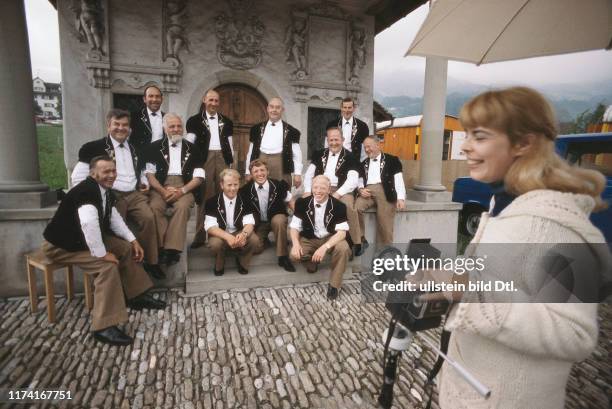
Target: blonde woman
x=522, y=351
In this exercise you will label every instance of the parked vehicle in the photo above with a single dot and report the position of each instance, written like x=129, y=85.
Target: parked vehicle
x=593, y=151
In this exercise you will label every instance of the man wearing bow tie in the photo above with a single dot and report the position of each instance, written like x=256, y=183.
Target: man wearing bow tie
x=131, y=184
x=381, y=184
x=212, y=133
x=175, y=171
x=353, y=129
x=230, y=224
x=318, y=227
x=278, y=143
x=88, y=231
x=147, y=123
x=269, y=198
x=341, y=168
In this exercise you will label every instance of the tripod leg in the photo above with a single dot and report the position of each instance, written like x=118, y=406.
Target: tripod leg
x=389, y=373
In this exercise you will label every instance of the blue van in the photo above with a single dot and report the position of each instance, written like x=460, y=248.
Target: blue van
x=592, y=150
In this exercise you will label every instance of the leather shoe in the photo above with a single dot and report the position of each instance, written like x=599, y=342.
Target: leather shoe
x=112, y=336
x=359, y=249
x=332, y=293
x=285, y=263
x=241, y=269
x=145, y=300
x=219, y=273
x=173, y=257
x=154, y=271
x=162, y=258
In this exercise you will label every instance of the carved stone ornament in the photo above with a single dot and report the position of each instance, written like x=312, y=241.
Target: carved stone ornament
x=174, y=30
x=239, y=34
x=325, y=9
x=296, y=42
x=357, y=59
x=89, y=24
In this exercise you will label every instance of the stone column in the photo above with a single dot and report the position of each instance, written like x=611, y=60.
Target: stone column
x=20, y=185
x=429, y=187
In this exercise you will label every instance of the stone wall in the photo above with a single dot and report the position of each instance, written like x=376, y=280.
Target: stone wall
x=311, y=54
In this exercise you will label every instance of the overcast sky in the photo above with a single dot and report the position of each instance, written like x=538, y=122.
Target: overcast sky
x=390, y=46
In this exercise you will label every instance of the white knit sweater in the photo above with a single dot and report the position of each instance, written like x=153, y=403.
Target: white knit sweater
x=523, y=352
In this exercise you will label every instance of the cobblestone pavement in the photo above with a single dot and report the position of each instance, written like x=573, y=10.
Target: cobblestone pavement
x=263, y=348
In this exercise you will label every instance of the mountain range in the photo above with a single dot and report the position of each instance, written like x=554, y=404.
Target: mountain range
x=400, y=92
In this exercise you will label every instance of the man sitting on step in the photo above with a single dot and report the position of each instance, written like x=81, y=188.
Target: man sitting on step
x=269, y=198
x=230, y=223
x=87, y=231
x=319, y=226
x=175, y=172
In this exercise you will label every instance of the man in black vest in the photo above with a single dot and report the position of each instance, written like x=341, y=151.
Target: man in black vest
x=230, y=224
x=278, y=143
x=381, y=184
x=146, y=123
x=212, y=133
x=353, y=130
x=341, y=168
x=88, y=231
x=319, y=226
x=131, y=186
x=175, y=172
x=269, y=198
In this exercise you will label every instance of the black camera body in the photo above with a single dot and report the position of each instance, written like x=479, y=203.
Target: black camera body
x=407, y=306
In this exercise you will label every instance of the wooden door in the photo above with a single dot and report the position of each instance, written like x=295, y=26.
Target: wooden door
x=246, y=107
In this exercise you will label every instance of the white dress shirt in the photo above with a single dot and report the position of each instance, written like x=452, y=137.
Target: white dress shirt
x=263, y=196
x=374, y=178
x=90, y=226
x=352, y=177
x=347, y=132
x=272, y=143
x=319, y=222
x=175, y=167
x=230, y=226
x=213, y=125
x=157, y=128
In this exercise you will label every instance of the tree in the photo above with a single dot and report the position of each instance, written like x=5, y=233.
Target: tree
x=37, y=109
x=586, y=118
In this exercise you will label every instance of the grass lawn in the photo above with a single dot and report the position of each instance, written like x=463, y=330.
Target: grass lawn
x=51, y=156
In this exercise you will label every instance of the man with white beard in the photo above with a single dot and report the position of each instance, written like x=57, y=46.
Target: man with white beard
x=175, y=171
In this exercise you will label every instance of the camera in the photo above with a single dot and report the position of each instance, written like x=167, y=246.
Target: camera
x=407, y=306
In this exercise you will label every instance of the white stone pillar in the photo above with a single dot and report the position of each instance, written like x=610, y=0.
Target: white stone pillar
x=20, y=184
x=429, y=186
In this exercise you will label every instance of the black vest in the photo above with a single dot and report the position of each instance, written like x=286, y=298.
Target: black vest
x=346, y=162
x=389, y=166
x=141, y=128
x=64, y=230
x=104, y=146
x=359, y=132
x=198, y=125
x=290, y=136
x=335, y=213
x=191, y=158
x=277, y=192
x=215, y=207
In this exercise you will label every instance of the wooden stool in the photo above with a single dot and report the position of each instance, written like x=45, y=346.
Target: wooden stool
x=37, y=259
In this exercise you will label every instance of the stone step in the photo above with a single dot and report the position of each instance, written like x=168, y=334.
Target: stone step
x=202, y=259
x=270, y=275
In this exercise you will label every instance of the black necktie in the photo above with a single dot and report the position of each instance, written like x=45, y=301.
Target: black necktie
x=212, y=117
x=318, y=205
x=107, y=206
x=347, y=123
x=333, y=154
x=273, y=124
x=260, y=187
x=375, y=160
x=121, y=145
x=231, y=203
x=154, y=113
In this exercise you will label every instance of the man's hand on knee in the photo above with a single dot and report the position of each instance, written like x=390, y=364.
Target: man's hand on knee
x=137, y=251
x=110, y=257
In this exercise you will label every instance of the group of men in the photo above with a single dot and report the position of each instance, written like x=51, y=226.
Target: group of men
x=148, y=172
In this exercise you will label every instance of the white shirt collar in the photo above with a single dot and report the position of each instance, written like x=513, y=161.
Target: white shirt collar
x=158, y=112
x=214, y=116
x=323, y=205
x=116, y=143
x=266, y=185
x=178, y=144
x=227, y=199
x=280, y=121
x=350, y=121
x=102, y=190
x=337, y=154
x=378, y=157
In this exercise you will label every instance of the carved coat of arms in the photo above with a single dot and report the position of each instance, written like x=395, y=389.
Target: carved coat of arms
x=239, y=36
